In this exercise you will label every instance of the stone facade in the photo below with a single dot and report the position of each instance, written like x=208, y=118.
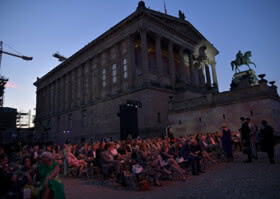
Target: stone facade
x=148, y=56
x=208, y=113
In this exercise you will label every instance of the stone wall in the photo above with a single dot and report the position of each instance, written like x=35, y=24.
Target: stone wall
x=102, y=120
x=208, y=113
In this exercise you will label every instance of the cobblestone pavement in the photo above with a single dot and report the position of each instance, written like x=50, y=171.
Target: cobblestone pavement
x=227, y=180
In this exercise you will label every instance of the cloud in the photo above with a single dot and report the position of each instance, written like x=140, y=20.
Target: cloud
x=10, y=85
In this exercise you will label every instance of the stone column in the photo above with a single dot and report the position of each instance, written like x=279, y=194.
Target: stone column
x=120, y=66
x=88, y=82
x=79, y=85
x=97, y=78
x=108, y=66
x=171, y=64
x=41, y=103
x=69, y=91
x=38, y=102
x=65, y=93
x=214, y=74
x=55, y=96
x=76, y=93
x=82, y=86
x=73, y=88
x=52, y=97
x=159, y=60
x=208, y=78
x=202, y=76
x=61, y=94
x=193, y=72
x=131, y=62
x=94, y=82
x=182, y=65
x=144, y=55
x=58, y=94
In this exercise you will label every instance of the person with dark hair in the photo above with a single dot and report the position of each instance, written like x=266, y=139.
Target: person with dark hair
x=267, y=142
x=195, y=155
x=6, y=178
x=193, y=158
x=170, y=133
x=245, y=137
x=227, y=142
x=108, y=163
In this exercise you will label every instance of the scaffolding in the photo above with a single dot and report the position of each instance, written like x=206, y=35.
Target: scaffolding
x=3, y=82
x=24, y=119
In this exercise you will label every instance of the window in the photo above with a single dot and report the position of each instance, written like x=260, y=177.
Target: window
x=84, y=118
x=114, y=73
x=125, y=71
x=70, y=121
x=104, y=78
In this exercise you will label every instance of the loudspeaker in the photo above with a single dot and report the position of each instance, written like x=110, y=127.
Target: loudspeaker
x=128, y=121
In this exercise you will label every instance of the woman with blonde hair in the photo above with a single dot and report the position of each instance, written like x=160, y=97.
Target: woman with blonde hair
x=50, y=185
x=73, y=161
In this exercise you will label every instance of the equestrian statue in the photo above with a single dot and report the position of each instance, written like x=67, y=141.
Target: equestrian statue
x=242, y=60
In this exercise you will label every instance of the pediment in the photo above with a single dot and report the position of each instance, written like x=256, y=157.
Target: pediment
x=179, y=25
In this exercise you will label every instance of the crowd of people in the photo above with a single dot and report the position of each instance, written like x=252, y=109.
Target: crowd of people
x=35, y=169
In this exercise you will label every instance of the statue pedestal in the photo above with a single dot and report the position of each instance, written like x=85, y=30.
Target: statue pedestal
x=244, y=79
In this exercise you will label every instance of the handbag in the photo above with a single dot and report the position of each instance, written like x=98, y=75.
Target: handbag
x=143, y=185
x=136, y=169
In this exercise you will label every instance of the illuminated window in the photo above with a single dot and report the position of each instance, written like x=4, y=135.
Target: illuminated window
x=125, y=69
x=104, y=78
x=114, y=73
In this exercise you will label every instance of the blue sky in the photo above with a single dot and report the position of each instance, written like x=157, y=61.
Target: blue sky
x=39, y=28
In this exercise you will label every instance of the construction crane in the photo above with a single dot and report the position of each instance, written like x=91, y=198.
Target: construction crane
x=4, y=80
x=60, y=57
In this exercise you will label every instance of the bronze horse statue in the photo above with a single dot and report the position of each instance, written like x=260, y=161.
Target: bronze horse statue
x=242, y=60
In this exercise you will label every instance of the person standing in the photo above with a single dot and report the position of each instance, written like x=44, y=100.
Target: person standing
x=227, y=142
x=267, y=142
x=245, y=137
x=253, y=137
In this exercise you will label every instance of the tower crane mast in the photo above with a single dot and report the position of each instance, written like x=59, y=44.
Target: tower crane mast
x=4, y=80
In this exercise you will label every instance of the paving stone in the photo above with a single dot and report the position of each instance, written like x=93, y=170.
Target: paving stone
x=227, y=180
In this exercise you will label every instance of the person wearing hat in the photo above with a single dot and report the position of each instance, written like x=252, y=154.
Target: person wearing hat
x=245, y=137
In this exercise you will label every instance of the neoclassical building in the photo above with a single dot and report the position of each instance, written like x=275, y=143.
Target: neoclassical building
x=149, y=56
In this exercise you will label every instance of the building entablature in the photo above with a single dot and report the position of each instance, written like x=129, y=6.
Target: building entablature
x=159, y=23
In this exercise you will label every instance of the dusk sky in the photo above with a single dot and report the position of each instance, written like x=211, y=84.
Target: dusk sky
x=40, y=28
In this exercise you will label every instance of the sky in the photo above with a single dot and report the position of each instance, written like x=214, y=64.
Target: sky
x=39, y=28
